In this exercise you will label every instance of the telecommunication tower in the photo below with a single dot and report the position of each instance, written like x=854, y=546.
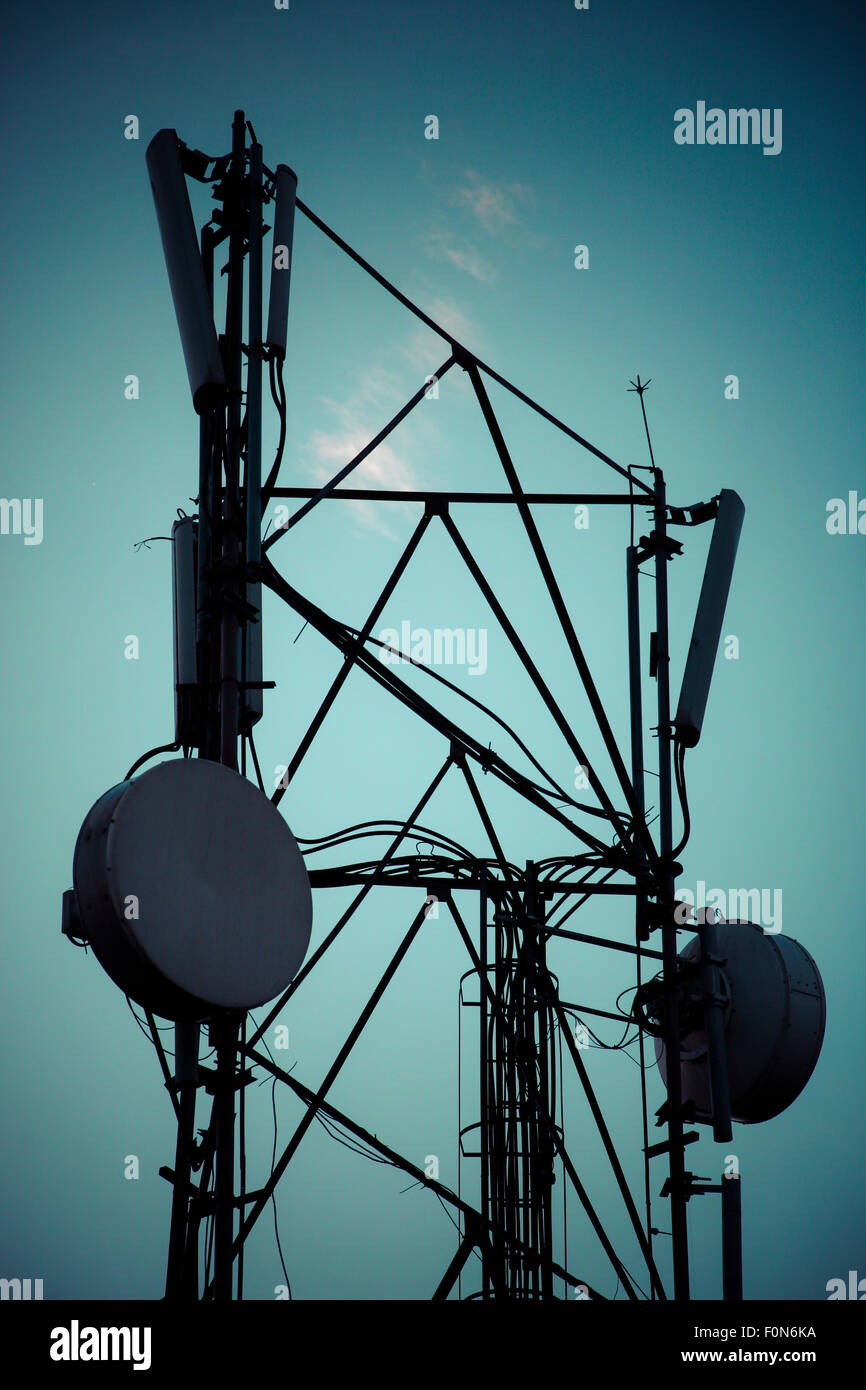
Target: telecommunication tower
x=175, y=867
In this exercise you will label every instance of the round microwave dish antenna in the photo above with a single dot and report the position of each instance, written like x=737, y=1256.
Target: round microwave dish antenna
x=192, y=890
x=775, y=1014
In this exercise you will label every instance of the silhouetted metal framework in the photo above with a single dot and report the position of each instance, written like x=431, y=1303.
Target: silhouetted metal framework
x=521, y=1015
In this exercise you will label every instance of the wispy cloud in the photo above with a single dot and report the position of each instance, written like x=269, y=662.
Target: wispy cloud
x=385, y=468
x=493, y=205
x=377, y=395
x=427, y=351
x=494, y=211
x=461, y=254
x=359, y=417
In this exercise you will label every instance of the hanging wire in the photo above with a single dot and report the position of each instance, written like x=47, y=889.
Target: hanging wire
x=680, y=779
x=273, y=1193
x=443, y=680
x=252, y=744
x=278, y=394
x=561, y=1159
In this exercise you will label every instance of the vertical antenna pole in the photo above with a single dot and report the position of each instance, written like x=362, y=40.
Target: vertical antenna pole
x=251, y=699
x=634, y=675
x=667, y=878
x=541, y=1034
x=714, y=1023
x=499, y=1110
x=732, y=1239
x=483, y=1015
x=233, y=516
x=225, y=1030
x=209, y=512
x=224, y=1035
x=253, y=491
x=182, y=1273
x=637, y=777
x=678, y=1194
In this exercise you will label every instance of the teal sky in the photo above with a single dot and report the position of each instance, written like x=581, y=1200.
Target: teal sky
x=555, y=130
